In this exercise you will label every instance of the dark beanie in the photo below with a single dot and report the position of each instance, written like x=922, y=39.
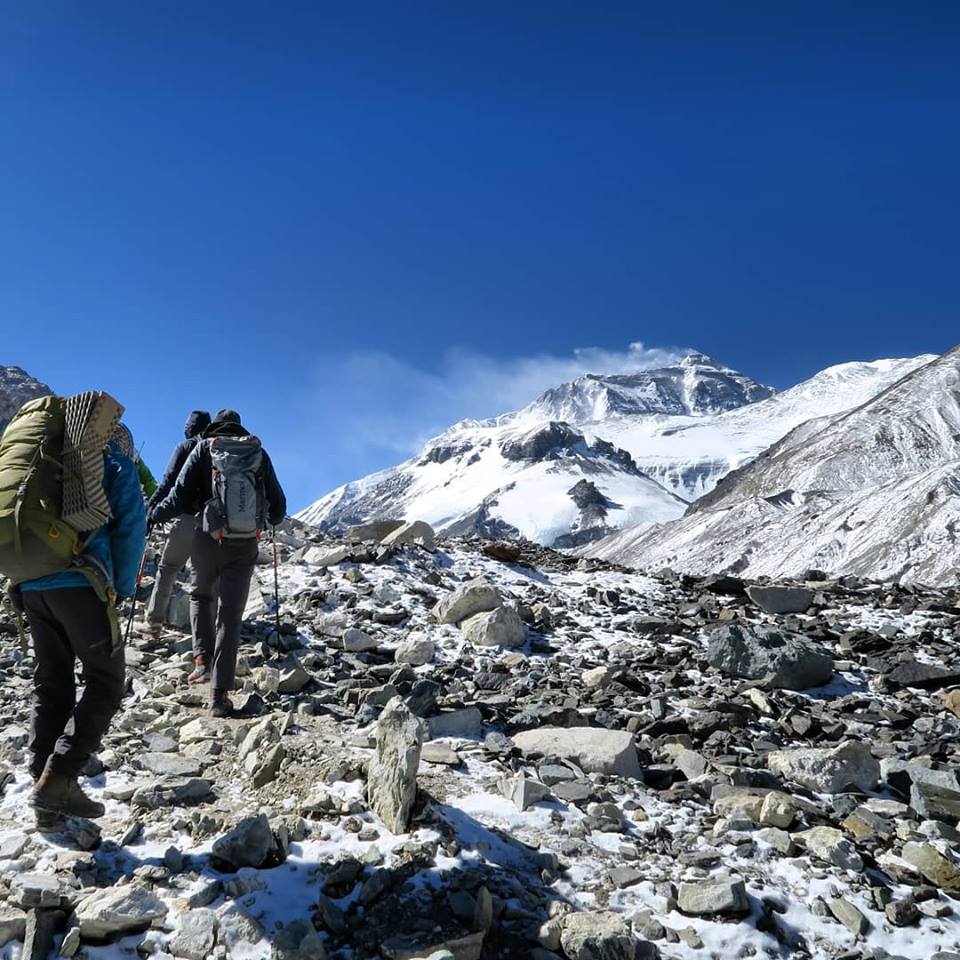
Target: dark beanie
x=197, y=422
x=227, y=416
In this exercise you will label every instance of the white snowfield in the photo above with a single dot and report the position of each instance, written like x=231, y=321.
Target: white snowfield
x=874, y=491
x=685, y=427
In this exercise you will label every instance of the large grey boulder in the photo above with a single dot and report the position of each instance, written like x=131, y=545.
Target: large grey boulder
x=415, y=650
x=828, y=770
x=715, y=895
x=121, y=909
x=470, y=598
x=392, y=774
x=497, y=628
x=593, y=749
x=416, y=532
x=249, y=844
x=597, y=936
x=373, y=530
x=780, y=600
x=777, y=658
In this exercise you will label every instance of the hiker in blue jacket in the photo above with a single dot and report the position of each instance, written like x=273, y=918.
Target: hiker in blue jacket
x=72, y=616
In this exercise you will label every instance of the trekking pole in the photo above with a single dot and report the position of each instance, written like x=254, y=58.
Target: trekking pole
x=133, y=599
x=276, y=584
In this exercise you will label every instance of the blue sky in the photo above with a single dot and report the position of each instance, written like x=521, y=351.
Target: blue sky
x=356, y=223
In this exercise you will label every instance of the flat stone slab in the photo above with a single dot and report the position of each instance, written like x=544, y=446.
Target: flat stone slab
x=170, y=764
x=593, y=749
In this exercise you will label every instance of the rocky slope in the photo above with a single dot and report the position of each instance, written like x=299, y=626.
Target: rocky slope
x=16, y=388
x=873, y=491
x=501, y=752
x=682, y=429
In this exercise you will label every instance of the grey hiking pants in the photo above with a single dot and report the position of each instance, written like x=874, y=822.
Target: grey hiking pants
x=216, y=630
x=175, y=554
x=71, y=624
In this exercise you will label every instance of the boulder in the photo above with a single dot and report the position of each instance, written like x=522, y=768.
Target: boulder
x=780, y=600
x=465, y=723
x=392, y=774
x=777, y=658
x=597, y=936
x=831, y=845
x=196, y=934
x=13, y=924
x=415, y=650
x=416, y=532
x=172, y=792
x=169, y=764
x=356, y=641
x=849, y=915
x=250, y=843
x=327, y=557
x=497, y=628
x=118, y=909
x=470, y=598
x=523, y=792
x=828, y=770
x=933, y=865
x=593, y=749
x=715, y=895
x=372, y=530
x=298, y=941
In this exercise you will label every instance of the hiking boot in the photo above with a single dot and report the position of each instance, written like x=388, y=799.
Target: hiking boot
x=148, y=628
x=60, y=793
x=48, y=822
x=201, y=671
x=221, y=706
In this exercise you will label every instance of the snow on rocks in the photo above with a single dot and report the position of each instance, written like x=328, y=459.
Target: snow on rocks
x=603, y=770
x=828, y=770
x=119, y=909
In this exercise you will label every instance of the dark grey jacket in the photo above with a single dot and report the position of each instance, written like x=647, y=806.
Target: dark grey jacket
x=194, y=484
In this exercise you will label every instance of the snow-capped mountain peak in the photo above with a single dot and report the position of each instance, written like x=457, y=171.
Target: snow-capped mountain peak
x=695, y=385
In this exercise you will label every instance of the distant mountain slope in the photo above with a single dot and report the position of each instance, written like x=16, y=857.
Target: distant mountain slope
x=874, y=491
x=16, y=388
x=689, y=455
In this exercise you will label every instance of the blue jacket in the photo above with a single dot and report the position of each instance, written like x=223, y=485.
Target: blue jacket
x=117, y=547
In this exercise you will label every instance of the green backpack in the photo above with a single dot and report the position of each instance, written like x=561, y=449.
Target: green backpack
x=34, y=539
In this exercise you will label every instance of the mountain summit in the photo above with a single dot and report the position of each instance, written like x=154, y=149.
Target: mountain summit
x=694, y=386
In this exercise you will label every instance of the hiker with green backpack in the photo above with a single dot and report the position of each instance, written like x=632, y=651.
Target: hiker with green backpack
x=229, y=484
x=72, y=536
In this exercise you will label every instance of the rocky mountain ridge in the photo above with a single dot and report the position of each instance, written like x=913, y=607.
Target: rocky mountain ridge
x=16, y=388
x=873, y=491
x=491, y=751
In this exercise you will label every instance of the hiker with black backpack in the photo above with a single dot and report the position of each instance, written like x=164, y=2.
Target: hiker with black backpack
x=229, y=483
x=180, y=538
x=72, y=535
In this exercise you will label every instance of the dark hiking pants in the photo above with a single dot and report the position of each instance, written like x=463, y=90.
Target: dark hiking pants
x=71, y=624
x=216, y=632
